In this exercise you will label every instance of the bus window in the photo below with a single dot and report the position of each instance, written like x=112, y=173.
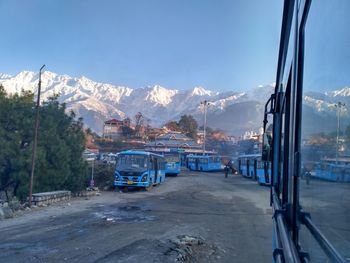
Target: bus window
x=203, y=160
x=132, y=161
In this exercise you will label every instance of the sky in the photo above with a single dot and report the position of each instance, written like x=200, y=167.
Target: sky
x=221, y=45
x=327, y=46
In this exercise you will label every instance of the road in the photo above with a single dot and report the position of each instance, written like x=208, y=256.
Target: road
x=195, y=217
x=329, y=206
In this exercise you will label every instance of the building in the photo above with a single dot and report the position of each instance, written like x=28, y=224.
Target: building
x=175, y=142
x=112, y=129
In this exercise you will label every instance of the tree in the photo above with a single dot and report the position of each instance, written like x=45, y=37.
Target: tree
x=16, y=115
x=127, y=131
x=189, y=126
x=173, y=126
x=139, y=119
x=61, y=141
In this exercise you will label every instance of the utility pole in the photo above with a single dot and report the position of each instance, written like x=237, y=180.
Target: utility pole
x=205, y=104
x=339, y=105
x=92, y=182
x=35, y=139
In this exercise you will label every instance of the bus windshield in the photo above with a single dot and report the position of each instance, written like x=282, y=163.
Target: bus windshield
x=132, y=162
x=172, y=159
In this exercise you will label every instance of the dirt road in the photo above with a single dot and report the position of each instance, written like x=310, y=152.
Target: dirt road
x=195, y=217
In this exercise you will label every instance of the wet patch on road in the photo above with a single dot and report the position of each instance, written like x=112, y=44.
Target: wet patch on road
x=125, y=214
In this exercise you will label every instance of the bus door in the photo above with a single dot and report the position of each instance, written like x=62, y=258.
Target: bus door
x=248, y=170
x=239, y=166
x=197, y=164
x=155, y=165
x=255, y=175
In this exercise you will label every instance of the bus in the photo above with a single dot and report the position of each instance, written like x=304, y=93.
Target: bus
x=309, y=223
x=139, y=169
x=252, y=166
x=205, y=163
x=331, y=171
x=172, y=164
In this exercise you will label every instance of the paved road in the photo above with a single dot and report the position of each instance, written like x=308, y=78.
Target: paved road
x=329, y=206
x=195, y=217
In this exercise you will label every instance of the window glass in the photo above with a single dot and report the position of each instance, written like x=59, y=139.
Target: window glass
x=203, y=160
x=132, y=161
x=171, y=158
x=325, y=183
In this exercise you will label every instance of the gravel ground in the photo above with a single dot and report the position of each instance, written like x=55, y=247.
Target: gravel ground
x=195, y=217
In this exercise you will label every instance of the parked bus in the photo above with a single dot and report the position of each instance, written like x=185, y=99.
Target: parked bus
x=172, y=164
x=331, y=171
x=251, y=166
x=204, y=163
x=139, y=169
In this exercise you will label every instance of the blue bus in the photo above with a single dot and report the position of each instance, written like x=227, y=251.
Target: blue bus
x=251, y=166
x=205, y=163
x=331, y=171
x=139, y=169
x=172, y=164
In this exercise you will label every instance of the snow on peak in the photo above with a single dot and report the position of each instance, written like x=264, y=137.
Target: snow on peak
x=344, y=92
x=95, y=101
x=200, y=91
x=161, y=95
x=25, y=76
x=5, y=76
x=318, y=105
x=223, y=103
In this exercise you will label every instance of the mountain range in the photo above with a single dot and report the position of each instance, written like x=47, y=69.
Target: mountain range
x=233, y=111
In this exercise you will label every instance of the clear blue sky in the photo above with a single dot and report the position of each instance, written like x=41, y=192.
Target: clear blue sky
x=218, y=44
x=327, y=44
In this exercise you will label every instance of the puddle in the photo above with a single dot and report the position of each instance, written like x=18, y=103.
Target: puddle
x=125, y=214
x=129, y=208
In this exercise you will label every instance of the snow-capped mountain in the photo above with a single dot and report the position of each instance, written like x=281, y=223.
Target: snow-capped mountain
x=96, y=102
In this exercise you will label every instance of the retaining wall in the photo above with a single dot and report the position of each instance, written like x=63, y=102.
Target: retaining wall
x=47, y=198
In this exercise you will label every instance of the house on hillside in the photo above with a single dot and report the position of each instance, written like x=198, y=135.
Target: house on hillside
x=113, y=129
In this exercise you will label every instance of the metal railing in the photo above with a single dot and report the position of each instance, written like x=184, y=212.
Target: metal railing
x=290, y=253
x=327, y=247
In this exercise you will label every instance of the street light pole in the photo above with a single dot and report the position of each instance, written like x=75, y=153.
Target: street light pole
x=92, y=182
x=339, y=105
x=35, y=139
x=205, y=104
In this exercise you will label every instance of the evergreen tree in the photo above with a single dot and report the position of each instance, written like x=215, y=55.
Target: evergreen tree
x=189, y=126
x=61, y=141
x=173, y=126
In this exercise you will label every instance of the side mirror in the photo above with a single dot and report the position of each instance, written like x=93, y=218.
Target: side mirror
x=266, y=148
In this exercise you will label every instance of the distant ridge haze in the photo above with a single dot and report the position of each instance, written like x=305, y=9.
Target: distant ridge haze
x=232, y=111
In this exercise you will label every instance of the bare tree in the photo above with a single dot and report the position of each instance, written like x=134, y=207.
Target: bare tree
x=139, y=120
